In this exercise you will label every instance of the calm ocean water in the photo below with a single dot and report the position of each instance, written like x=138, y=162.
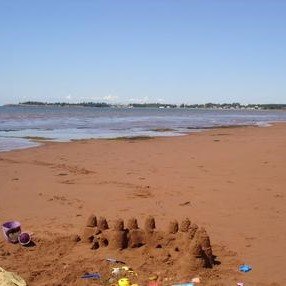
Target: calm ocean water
x=17, y=123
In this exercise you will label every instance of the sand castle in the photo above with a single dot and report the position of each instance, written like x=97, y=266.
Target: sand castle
x=192, y=242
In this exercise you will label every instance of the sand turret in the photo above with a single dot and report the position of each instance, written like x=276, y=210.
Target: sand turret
x=173, y=227
x=136, y=236
x=91, y=221
x=150, y=224
x=102, y=224
x=118, y=236
x=185, y=225
x=132, y=223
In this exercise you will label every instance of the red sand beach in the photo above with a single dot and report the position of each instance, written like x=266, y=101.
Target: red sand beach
x=231, y=181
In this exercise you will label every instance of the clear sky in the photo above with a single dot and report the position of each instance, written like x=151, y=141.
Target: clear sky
x=143, y=51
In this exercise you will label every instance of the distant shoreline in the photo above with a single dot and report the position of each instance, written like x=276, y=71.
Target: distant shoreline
x=211, y=106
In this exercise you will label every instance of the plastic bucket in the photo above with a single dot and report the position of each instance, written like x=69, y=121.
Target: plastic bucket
x=11, y=231
x=24, y=238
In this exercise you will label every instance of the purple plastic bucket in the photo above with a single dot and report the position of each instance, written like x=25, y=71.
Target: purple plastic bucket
x=11, y=231
x=24, y=238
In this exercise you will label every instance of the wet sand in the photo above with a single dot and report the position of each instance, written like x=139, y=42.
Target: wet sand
x=230, y=181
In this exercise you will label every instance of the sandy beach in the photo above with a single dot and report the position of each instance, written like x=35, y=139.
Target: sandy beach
x=231, y=181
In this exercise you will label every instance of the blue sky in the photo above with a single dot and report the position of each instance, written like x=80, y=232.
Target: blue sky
x=143, y=51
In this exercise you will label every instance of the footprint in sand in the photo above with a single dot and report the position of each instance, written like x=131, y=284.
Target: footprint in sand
x=68, y=182
x=185, y=204
x=142, y=192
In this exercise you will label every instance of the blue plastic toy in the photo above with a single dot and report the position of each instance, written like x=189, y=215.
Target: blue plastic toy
x=91, y=276
x=245, y=268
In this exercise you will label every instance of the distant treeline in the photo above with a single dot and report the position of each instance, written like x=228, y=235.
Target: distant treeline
x=85, y=104
x=100, y=104
x=153, y=105
x=234, y=105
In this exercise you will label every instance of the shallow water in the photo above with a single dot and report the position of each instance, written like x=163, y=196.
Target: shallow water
x=70, y=123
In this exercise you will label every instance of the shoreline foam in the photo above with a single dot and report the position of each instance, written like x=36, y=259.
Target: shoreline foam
x=36, y=141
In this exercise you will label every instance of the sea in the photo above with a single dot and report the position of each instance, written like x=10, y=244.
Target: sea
x=21, y=125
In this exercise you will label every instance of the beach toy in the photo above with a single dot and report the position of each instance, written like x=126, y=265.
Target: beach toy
x=128, y=269
x=10, y=279
x=24, y=238
x=112, y=260
x=153, y=277
x=115, y=271
x=124, y=282
x=11, y=231
x=245, y=268
x=196, y=280
x=91, y=276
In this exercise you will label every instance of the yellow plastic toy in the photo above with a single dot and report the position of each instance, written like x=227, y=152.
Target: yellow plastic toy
x=124, y=282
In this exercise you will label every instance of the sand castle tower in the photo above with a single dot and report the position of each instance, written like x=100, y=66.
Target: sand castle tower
x=90, y=229
x=193, y=259
x=136, y=236
x=150, y=224
x=91, y=221
x=118, y=236
x=185, y=225
x=183, y=237
x=205, y=243
x=173, y=227
x=153, y=238
x=171, y=235
x=103, y=232
x=192, y=231
x=102, y=224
